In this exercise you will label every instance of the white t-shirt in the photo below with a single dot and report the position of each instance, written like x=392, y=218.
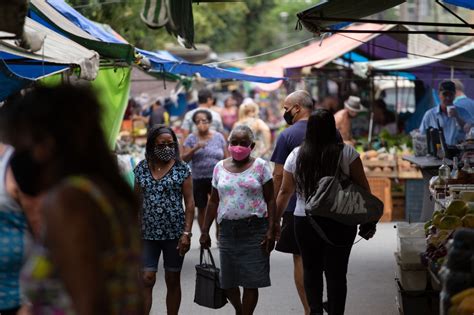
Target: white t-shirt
x=349, y=154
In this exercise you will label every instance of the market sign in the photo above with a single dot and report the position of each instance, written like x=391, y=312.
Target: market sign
x=12, y=17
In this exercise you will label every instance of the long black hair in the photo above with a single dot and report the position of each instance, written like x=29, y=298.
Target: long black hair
x=70, y=116
x=153, y=133
x=318, y=155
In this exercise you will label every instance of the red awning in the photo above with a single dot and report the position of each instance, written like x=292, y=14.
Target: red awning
x=317, y=54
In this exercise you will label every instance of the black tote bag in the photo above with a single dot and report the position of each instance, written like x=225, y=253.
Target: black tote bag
x=342, y=200
x=208, y=292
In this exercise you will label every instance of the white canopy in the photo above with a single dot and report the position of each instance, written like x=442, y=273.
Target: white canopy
x=49, y=46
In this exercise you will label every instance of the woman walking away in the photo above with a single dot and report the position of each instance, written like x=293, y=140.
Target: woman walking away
x=89, y=258
x=204, y=149
x=248, y=116
x=242, y=199
x=229, y=113
x=317, y=157
x=163, y=180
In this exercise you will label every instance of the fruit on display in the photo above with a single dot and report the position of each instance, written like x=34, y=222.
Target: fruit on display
x=457, y=208
x=463, y=303
x=457, y=278
x=450, y=222
x=468, y=220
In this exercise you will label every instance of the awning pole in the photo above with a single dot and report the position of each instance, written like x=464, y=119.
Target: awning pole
x=452, y=72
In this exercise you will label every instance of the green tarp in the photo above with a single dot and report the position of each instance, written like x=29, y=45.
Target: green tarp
x=112, y=87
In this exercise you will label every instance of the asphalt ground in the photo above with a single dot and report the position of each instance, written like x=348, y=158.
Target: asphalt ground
x=371, y=285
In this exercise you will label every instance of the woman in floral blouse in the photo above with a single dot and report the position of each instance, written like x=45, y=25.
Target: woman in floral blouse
x=242, y=199
x=163, y=180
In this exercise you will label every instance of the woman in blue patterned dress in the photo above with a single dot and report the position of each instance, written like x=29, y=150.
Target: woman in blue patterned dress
x=163, y=180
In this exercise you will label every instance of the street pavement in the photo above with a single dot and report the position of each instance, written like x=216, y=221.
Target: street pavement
x=371, y=285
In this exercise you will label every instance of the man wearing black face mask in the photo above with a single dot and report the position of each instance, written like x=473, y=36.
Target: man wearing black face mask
x=298, y=107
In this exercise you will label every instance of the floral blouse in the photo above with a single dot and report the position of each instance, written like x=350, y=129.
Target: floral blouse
x=162, y=209
x=241, y=194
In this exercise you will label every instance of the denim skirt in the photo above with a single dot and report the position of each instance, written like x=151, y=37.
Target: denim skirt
x=243, y=261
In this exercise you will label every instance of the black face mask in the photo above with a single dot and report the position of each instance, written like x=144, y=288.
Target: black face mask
x=26, y=172
x=289, y=117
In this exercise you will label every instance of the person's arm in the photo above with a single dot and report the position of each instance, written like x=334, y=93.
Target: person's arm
x=357, y=175
x=458, y=118
x=277, y=178
x=267, y=136
x=30, y=205
x=268, y=242
x=74, y=239
x=211, y=213
x=287, y=189
x=185, y=239
x=188, y=152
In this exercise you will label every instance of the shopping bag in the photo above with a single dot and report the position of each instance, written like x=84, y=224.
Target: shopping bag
x=208, y=292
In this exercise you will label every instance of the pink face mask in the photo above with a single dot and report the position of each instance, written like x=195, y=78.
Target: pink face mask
x=239, y=153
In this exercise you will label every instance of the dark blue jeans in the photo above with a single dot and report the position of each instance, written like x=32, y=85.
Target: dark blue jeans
x=319, y=257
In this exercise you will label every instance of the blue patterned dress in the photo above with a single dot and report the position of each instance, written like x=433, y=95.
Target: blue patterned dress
x=162, y=210
x=13, y=241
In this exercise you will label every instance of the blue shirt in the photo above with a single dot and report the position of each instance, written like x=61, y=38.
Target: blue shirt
x=453, y=133
x=289, y=139
x=465, y=103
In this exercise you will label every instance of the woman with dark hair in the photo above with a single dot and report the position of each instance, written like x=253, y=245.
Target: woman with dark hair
x=305, y=166
x=163, y=180
x=204, y=149
x=243, y=203
x=89, y=258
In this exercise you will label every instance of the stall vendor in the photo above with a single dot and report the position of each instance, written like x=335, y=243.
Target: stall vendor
x=451, y=118
x=352, y=107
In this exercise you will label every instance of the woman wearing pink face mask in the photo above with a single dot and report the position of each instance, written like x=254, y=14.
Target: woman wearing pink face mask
x=242, y=199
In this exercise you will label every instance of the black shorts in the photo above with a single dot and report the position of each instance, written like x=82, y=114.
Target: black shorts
x=287, y=242
x=201, y=189
x=152, y=250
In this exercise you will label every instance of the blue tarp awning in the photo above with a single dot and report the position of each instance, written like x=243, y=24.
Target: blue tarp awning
x=164, y=61
x=469, y=4
x=18, y=72
x=82, y=22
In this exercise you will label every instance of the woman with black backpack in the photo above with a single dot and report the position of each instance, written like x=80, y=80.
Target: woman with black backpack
x=326, y=252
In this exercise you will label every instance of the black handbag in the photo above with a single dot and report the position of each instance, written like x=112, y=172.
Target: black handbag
x=208, y=292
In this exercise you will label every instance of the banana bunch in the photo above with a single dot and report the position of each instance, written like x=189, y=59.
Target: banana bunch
x=462, y=303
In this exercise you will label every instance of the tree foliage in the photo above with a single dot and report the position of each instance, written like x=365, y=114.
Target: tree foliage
x=252, y=26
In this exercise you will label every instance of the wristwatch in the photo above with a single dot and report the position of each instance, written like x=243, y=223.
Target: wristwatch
x=188, y=234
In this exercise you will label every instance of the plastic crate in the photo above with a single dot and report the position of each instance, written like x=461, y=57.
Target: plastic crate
x=424, y=302
x=414, y=189
x=382, y=189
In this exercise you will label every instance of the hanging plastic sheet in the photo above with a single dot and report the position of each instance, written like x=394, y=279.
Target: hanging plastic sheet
x=469, y=4
x=112, y=87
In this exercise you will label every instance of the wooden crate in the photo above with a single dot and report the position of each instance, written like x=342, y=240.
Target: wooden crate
x=398, y=206
x=382, y=189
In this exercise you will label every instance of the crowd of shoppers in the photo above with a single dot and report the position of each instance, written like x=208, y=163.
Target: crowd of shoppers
x=62, y=186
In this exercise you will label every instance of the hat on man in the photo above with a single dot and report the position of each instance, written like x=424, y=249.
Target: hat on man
x=353, y=104
x=447, y=86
